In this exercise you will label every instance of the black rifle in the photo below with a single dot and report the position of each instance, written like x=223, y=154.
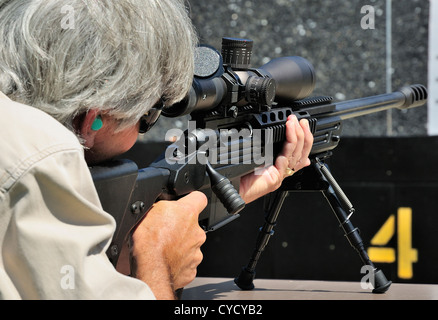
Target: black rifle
x=238, y=117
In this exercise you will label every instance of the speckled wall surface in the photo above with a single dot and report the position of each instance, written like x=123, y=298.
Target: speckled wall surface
x=350, y=61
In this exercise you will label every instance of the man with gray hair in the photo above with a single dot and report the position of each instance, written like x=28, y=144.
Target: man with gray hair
x=77, y=92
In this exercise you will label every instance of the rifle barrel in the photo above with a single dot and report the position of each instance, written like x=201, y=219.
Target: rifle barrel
x=405, y=98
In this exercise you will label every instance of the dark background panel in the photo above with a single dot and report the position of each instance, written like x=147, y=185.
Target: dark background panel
x=379, y=175
x=308, y=243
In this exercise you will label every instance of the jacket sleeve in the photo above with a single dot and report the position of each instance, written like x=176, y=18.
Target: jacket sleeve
x=55, y=233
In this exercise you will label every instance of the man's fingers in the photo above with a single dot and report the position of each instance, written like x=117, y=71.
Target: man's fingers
x=196, y=200
x=291, y=123
x=296, y=156
x=194, y=203
x=308, y=142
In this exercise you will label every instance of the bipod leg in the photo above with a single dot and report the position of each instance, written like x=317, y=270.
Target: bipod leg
x=338, y=201
x=246, y=277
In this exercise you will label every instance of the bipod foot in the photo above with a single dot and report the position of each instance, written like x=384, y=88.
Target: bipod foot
x=245, y=280
x=381, y=284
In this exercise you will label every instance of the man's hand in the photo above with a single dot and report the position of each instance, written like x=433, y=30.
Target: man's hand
x=294, y=157
x=166, y=245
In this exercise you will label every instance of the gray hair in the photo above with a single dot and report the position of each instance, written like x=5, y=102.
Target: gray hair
x=68, y=56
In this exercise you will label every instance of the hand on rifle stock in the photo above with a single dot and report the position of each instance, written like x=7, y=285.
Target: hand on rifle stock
x=294, y=157
x=166, y=245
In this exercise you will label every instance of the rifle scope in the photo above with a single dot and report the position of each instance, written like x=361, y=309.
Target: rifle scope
x=226, y=79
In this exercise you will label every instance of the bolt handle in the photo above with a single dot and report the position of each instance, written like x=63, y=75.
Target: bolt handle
x=225, y=191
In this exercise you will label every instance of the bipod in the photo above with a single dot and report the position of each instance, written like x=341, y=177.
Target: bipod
x=316, y=177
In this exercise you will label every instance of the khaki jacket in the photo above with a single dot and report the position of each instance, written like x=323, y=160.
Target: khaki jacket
x=53, y=231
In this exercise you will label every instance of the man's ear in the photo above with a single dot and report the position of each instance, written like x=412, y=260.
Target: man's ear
x=86, y=126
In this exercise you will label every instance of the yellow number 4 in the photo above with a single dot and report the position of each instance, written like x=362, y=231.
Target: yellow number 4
x=406, y=254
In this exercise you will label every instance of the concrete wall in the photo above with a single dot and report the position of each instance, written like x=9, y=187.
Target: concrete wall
x=354, y=56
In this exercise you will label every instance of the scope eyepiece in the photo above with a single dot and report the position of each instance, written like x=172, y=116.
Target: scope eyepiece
x=260, y=90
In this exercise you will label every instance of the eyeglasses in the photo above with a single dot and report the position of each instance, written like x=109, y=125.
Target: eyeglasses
x=148, y=120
